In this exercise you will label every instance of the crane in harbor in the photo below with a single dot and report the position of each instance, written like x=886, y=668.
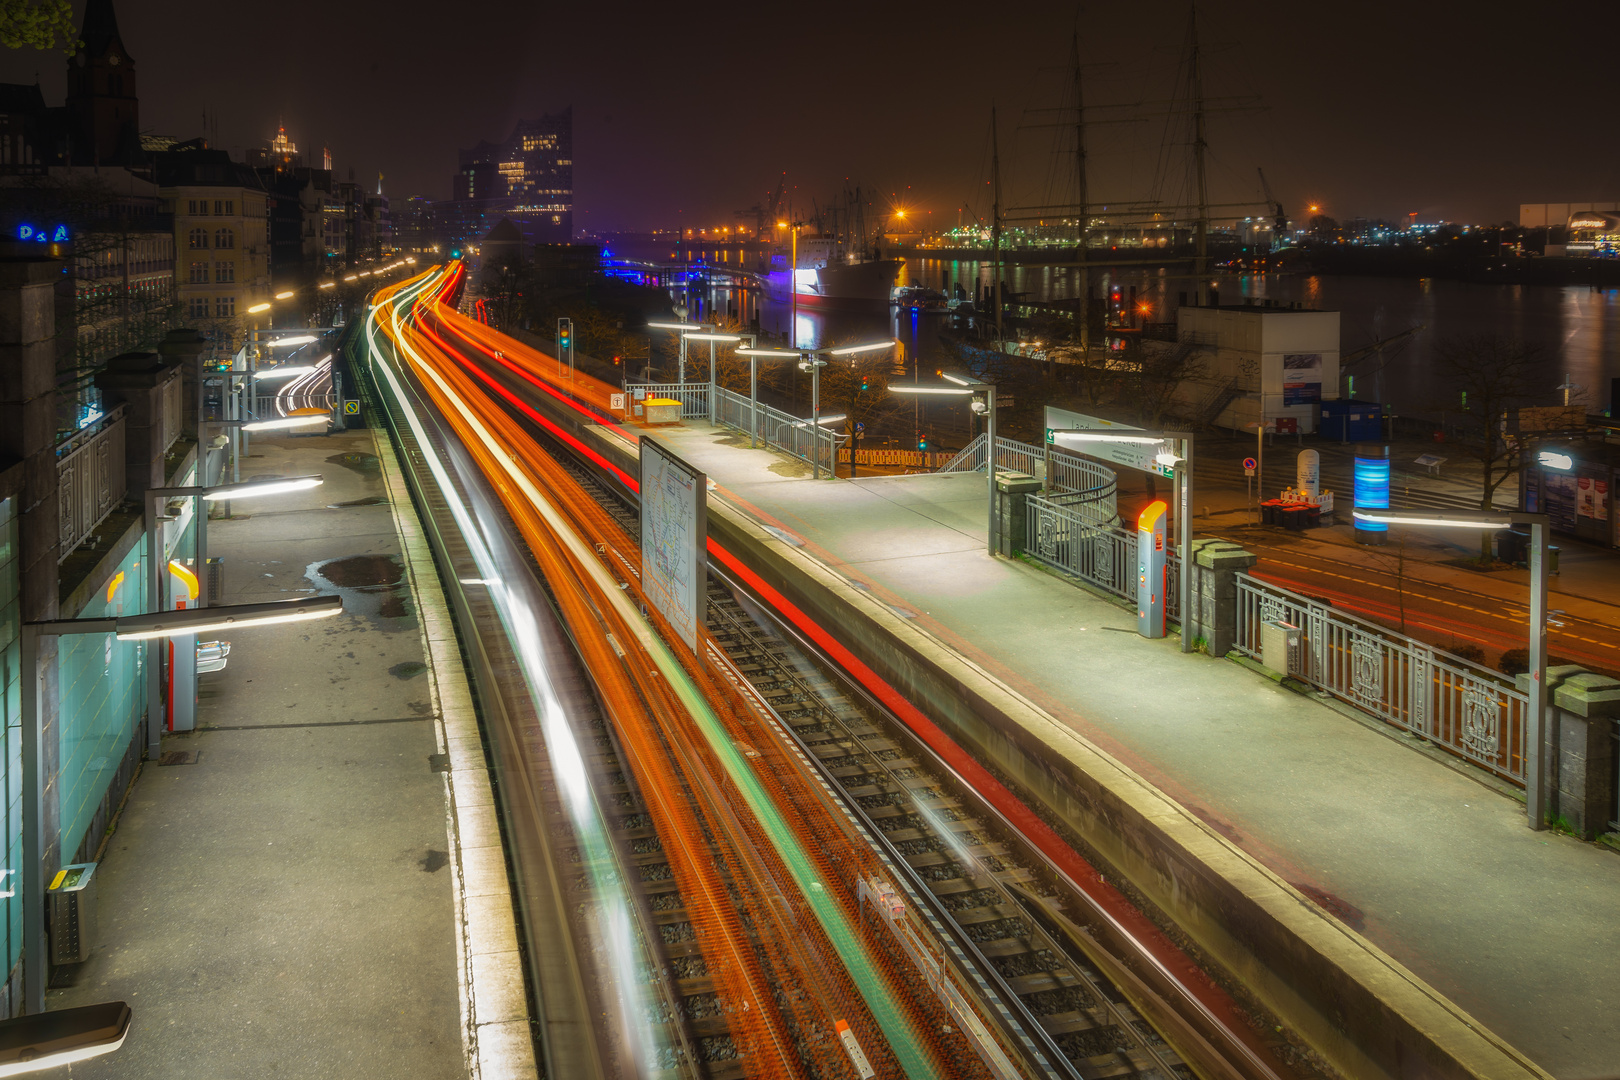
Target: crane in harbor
x=1279, y=220
x=765, y=215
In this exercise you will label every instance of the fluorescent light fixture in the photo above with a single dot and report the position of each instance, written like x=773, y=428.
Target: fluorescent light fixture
x=327, y=285
x=256, y=308
x=713, y=337
x=284, y=295
x=928, y=390
x=233, y=617
x=816, y=421
x=1396, y=518
x=249, y=488
x=48, y=1040
x=352, y=277
x=287, y=422
x=1551, y=459
x=959, y=381
x=779, y=354
x=296, y=339
x=675, y=326
x=284, y=371
x=851, y=350
x=1087, y=436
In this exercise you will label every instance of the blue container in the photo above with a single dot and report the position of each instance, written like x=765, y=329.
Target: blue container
x=1352, y=421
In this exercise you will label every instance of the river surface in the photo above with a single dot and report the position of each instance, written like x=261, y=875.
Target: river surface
x=1577, y=328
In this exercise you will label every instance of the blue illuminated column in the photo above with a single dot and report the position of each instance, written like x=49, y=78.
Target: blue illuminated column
x=1372, y=492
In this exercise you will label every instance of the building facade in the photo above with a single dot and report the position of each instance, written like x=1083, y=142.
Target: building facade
x=1259, y=363
x=222, y=239
x=528, y=179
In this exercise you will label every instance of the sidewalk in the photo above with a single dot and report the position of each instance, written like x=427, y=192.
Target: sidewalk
x=1517, y=927
x=287, y=904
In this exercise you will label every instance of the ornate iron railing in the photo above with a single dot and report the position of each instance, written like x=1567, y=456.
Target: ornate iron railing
x=90, y=480
x=1458, y=705
x=1076, y=536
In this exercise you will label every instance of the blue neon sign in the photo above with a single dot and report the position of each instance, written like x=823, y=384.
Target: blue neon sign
x=43, y=233
x=1372, y=491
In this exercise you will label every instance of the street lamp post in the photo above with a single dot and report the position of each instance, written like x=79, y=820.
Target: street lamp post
x=987, y=408
x=711, y=338
x=1537, y=762
x=150, y=627
x=157, y=564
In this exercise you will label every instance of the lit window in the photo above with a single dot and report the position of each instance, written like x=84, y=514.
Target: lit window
x=199, y=239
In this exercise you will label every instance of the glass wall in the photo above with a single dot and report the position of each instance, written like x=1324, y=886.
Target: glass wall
x=11, y=689
x=103, y=697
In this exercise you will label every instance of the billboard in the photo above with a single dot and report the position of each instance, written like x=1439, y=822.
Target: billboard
x=674, y=535
x=1302, y=378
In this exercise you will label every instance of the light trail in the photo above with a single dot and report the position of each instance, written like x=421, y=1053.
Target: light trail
x=625, y=654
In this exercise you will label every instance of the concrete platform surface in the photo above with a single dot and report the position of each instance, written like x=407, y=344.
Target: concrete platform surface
x=282, y=906
x=1435, y=868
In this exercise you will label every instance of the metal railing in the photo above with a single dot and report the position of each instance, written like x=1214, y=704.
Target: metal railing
x=173, y=412
x=1070, y=474
x=1460, y=706
x=1070, y=534
x=792, y=434
x=920, y=459
x=694, y=397
x=90, y=480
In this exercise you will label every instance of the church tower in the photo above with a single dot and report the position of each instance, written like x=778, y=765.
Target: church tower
x=103, y=113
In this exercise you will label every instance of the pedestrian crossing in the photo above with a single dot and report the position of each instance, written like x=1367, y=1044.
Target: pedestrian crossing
x=1407, y=491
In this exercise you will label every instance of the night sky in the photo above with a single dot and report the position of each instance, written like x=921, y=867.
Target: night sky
x=685, y=113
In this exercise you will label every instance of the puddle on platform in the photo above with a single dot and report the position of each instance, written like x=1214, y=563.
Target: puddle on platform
x=369, y=500
x=409, y=669
x=371, y=585
x=364, y=464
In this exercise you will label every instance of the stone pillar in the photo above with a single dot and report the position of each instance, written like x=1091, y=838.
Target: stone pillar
x=28, y=346
x=186, y=347
x=138, y=381
x=1013, y=490
x=1216, y=564
x=1585, y=708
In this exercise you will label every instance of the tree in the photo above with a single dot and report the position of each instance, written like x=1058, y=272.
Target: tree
x=1323, y=227
x=37, y=25
x=1488, y=375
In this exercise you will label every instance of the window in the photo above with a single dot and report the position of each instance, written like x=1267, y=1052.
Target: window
x=224, y=307
x=198, y=207
x=224, y=238
x=199, y=304
x=199, y=273
x=199, y=239
x=225, y=207
x=224, y=271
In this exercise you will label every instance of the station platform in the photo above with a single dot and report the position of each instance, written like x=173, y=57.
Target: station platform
x=1432, y=866
x=311, y=886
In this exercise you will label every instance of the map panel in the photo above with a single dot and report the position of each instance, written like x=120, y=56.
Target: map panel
x=674, y=529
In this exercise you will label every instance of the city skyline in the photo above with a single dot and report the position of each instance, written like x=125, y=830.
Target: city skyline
x=1358, y=120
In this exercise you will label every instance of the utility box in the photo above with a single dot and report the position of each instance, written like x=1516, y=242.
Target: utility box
x=72, y=901
x=214, y=567
x=1279, y=647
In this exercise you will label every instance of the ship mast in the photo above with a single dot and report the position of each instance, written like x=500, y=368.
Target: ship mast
x=995, y=217
x=1201, y=226
x=1080, y=172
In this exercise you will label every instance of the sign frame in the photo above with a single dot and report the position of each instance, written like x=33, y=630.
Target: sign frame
x=673, y=488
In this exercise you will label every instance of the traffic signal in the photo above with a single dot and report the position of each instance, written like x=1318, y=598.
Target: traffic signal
x=617, y=359
x=863, y=383
x=922, y=444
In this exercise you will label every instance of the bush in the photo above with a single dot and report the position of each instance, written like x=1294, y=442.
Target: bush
x=1467, y=650
x=1517, y=662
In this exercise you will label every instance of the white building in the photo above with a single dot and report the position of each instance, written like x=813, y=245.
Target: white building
x=1278, y=363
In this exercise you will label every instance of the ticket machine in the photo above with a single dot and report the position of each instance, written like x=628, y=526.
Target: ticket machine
x=1152, y=570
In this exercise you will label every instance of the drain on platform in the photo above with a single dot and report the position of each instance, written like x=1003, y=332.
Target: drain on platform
x=369, y=500
x=178, y=757
x=439, y=762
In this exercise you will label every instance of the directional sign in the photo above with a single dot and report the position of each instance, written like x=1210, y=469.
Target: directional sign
x=1250, y=464
x=860, y=427
x=351, y=408
x=1139, y=456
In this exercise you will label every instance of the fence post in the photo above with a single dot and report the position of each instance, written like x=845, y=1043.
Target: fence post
x=1013, y=489
x=1585, y=705
x=1213, y=596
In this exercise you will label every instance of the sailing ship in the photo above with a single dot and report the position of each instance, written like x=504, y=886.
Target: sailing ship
x=837, y=265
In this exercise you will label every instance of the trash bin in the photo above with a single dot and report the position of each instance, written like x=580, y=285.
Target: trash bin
x=1511, y=546
x=1552, y=559
x=72, y=898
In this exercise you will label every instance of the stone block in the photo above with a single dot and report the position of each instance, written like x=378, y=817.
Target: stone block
x=26, y=371
x=1588, y=695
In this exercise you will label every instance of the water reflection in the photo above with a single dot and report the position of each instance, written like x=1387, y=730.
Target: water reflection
x=1576, y=326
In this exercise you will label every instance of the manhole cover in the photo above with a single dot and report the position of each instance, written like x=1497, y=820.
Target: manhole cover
x=178, y=757
x=439, y=762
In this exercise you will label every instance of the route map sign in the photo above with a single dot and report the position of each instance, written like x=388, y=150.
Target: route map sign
x=674, y=532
